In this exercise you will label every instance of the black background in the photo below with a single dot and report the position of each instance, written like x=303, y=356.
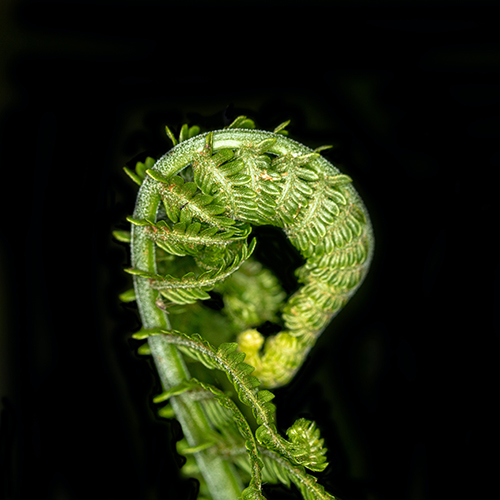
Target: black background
x=404, y=385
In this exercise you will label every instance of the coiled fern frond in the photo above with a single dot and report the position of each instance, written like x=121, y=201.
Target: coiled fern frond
x=191, y=243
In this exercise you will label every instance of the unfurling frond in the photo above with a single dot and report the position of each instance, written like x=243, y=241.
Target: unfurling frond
x=191, y=241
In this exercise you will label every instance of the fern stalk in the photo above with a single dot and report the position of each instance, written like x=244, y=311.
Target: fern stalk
x=222, y=481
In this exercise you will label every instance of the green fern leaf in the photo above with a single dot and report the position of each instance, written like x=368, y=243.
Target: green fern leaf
x=128, y=296
x=183, y=239
x=123, y=236
x=306, y=444
x=279, y=470
x=254, y=490
x=190, y=288
x=294, y=186
x=140, y=170
x=184, y=133
x=228, y=359
x=133, y=176
x=322, y=148
x=242, y=122
x=171, y=136
x=261, y=180
x=280, y=129
x=181, y=204
x=214, y=174
x=185, y=385
x=224, y=358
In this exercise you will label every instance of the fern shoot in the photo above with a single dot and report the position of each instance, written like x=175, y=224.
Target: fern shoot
x=191, y=242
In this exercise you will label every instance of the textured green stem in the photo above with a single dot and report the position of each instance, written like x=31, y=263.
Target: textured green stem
x=221, y=479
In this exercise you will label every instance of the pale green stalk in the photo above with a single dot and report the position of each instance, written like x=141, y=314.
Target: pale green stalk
x=222, y=481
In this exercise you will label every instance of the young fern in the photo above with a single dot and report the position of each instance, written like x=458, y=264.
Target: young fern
x=191, y=238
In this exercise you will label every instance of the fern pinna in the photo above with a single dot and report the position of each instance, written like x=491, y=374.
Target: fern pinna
x=191, y=243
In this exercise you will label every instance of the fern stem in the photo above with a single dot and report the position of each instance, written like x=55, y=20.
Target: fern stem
x=222, y=481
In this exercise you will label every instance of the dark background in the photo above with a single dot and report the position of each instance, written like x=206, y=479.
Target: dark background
x=404, y=385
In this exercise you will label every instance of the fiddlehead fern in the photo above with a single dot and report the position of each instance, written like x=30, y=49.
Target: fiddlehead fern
x=191, y=238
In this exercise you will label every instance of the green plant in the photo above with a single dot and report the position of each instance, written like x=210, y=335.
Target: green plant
x=191, y=242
